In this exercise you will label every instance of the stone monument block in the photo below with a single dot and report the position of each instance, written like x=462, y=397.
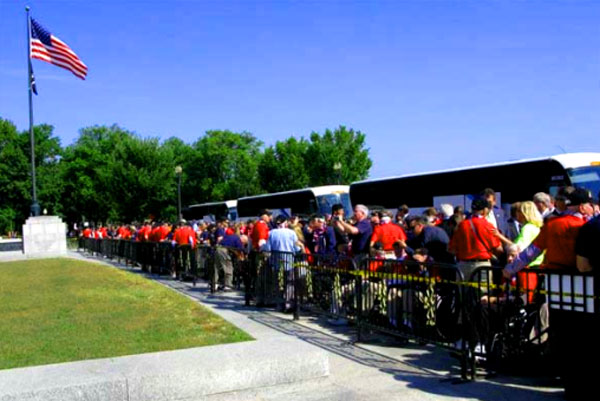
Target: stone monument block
x=44, y=236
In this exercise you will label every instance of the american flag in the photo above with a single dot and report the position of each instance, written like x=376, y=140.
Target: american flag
x=47, y=47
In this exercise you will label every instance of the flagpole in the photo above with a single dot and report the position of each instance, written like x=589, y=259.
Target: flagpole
x=35, y=207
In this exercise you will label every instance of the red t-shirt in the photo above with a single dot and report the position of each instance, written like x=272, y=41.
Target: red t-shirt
x=183, y=235
x=124, y=232
x=388, y=234
x=143, y=234
x=101, y=233
x=558, y=238
x=466, y=245
x=87, y=233
x=260, y=231
x=163, y=233
x=155, y=234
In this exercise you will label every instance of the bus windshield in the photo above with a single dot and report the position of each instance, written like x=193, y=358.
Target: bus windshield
x=586, y=177
x=326, y=202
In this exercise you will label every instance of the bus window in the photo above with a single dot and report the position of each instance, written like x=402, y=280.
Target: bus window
x=345, y=200
x=326, y=202
x=586, y=177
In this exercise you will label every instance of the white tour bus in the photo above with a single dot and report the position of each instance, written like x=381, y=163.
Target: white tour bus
x=513, y=181
x=212, y=211
x=303, y=202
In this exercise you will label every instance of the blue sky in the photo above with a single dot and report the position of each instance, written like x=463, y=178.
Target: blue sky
x=433, y=84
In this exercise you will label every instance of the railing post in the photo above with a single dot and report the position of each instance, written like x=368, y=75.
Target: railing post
x=248, y=276
x=359, y=302
x=296, y=278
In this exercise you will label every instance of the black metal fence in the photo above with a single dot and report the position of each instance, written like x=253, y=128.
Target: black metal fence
x=508, y=324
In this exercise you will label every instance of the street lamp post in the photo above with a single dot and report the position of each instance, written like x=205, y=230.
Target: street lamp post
x=178, y=171
x=337, y=167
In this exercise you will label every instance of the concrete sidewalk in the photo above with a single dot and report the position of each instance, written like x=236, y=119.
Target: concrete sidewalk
x=11, y=256
x=379, y=369
x=172, y=375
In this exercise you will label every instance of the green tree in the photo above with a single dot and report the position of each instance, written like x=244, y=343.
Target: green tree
x=48, y=167
x=8, y=218
x=283, y=166
x=144, y=179
x=15, y=172
x=343, y=146
x=225, y=166
x=182, y=154
x=87, y=181
x=14, y=176
x=114, y=175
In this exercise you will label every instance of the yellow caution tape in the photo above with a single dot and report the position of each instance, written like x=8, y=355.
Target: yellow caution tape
x=435, y=280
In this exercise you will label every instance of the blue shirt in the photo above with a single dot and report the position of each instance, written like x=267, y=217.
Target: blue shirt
x=281, y=240
x=435, y=240
x=232, y=241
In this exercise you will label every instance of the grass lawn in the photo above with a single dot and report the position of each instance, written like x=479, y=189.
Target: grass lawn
x=59, y=310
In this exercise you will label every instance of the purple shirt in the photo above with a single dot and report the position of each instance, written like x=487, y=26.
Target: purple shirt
x=360, y=241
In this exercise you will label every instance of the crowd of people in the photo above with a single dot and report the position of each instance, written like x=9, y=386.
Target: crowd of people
x=543, y=231
x=561, y=232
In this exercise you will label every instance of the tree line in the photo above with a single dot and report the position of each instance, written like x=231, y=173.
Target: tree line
x=110, y=174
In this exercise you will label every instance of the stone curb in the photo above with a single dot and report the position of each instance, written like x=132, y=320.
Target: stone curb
x=171, y=375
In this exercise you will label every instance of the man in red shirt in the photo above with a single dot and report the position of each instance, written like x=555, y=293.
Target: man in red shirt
x=185, y=239
x=557, y=236
x=387, y=234
x=155, y=233
x=184, y=235
x=121, y=232
x=143, y=236
x=260, y=231
x=164, y=231
x=475, y=242
x=100, y=232
x=259, y=236
x=87, y=233
x=143, y=233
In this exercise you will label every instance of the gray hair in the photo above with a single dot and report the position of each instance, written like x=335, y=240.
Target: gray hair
x=447, y=209
x=363, y=209
x=542, y=197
